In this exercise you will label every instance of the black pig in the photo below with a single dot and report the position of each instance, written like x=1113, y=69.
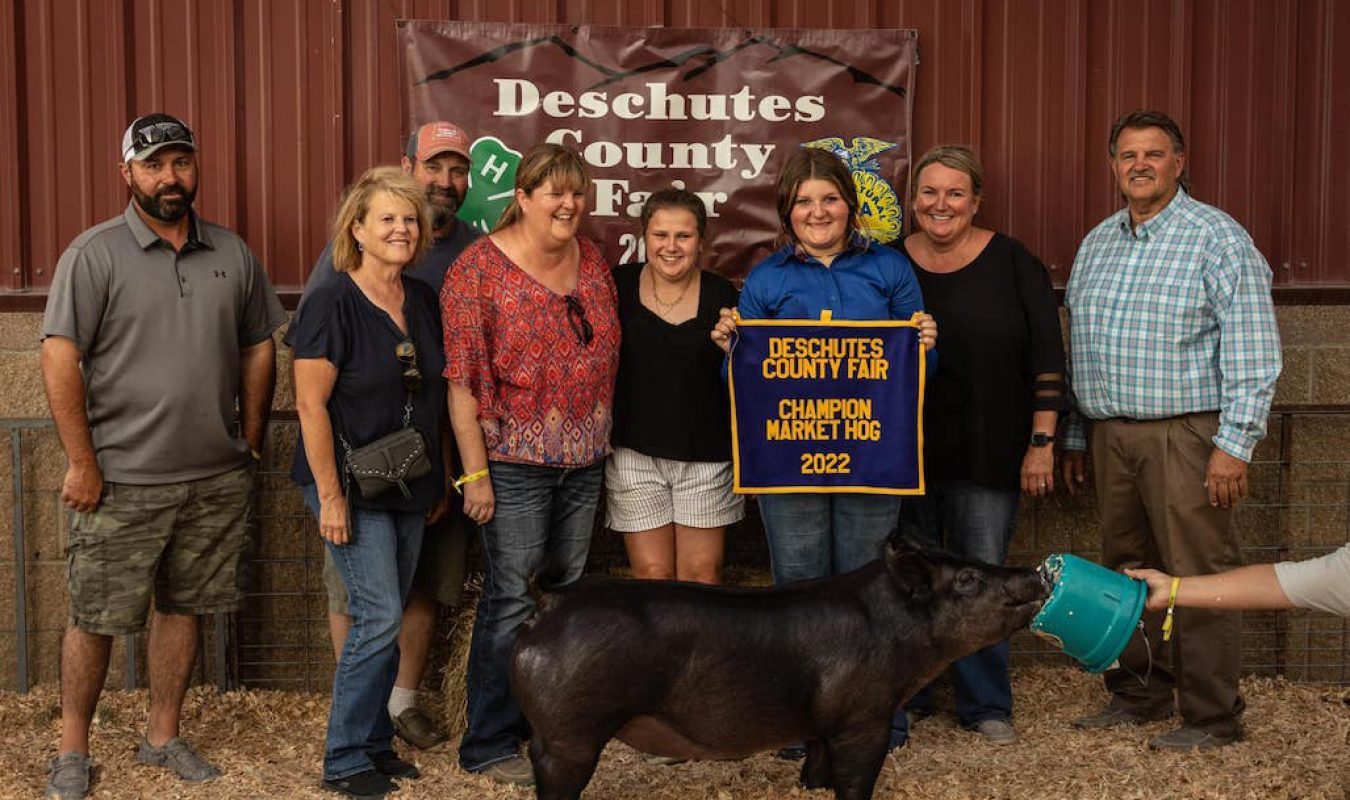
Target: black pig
x=692, y=671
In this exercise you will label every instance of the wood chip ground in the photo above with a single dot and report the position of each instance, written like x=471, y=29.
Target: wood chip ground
x=270, y=744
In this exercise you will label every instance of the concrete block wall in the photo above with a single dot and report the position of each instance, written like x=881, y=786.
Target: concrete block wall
x=1298, y=508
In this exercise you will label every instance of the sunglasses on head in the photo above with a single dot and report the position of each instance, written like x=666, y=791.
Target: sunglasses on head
x=407, y=356
x=160, y=133
x=576, y=318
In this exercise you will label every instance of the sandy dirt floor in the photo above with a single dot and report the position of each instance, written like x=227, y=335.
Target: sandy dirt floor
x=270, y=745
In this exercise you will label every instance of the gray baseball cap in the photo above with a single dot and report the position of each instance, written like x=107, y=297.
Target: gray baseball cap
x=149, y=133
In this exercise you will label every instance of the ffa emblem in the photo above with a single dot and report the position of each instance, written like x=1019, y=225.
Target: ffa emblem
x=492, y=181
x=878, y=204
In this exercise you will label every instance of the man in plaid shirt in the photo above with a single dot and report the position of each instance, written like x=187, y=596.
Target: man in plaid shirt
x=1173, y=362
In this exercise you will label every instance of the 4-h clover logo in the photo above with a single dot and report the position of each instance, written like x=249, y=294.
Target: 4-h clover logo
x=492, y=181
x=879, y=206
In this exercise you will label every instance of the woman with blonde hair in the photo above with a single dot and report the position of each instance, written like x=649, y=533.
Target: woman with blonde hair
x=368, y=364
x=992, y=406
x=532, y=347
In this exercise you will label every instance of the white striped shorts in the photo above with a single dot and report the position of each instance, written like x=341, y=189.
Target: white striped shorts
x=643, y=493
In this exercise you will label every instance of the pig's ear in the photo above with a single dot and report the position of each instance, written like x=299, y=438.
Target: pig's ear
x=908, y=568
x=898, y=542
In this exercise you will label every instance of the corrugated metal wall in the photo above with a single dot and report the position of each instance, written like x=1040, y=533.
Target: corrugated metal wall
x=293, y=97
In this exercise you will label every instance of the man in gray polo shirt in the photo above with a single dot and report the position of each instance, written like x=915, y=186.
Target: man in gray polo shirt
x=158, y=324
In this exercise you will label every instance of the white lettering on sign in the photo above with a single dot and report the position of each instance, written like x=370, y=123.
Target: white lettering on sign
x=517, y=97
x=723, y=154
x=612, y=196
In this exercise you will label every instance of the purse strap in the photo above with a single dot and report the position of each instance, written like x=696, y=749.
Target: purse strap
x=342, y=439
x=335, y=420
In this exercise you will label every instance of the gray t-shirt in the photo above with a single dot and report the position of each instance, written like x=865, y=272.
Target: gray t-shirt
x=1320, y=583
x=161, y=334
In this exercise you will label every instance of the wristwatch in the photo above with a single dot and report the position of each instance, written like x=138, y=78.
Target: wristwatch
x=1041, y=439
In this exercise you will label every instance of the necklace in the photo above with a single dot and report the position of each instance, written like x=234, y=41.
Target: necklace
x=666, y=308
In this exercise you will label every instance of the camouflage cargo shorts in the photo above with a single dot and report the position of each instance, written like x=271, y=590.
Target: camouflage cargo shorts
x=185, y=543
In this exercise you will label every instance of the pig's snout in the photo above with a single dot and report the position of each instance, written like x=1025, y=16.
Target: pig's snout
x=1027, y=586
x=1047, y=575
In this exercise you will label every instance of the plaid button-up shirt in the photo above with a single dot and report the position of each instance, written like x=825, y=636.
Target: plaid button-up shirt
x=1173, y=317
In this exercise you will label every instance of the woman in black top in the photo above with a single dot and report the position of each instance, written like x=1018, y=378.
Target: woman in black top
x=368, y=362
x=668, y=482
x=990, y=411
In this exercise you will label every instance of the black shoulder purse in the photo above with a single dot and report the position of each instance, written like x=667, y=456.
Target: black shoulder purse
x=394, y=459
x=388, y=461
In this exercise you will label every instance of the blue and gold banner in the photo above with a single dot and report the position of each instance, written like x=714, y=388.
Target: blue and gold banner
x=827, y=406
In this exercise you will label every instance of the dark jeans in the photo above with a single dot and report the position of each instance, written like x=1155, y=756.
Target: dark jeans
x=376, y=566
x=544, y=515
x=815, y=535
x=977, y=522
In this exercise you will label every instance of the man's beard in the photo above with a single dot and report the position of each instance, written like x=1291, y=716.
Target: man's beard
x=444, y=205
x=161, y=209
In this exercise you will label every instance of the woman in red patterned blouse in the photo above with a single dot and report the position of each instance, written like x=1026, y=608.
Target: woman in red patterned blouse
x=532, y=349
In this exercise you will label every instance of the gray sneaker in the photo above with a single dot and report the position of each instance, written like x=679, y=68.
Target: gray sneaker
x=515, y=770
x=178, y=756
x=1115, y=716
x=1186, y=739
x=68, y=778
x=996, y=731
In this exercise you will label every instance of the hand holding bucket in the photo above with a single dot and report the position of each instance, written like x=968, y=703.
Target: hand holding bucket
x=1092, y=612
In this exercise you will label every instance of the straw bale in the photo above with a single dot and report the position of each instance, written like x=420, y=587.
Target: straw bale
x=452, y=699
x=270, y=745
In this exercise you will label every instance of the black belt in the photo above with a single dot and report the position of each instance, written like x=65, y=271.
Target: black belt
x=1136, y=421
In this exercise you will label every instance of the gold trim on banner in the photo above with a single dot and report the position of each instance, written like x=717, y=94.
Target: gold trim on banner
x=826, y=321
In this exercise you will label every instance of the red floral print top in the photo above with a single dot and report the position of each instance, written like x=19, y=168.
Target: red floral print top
x=544, y=395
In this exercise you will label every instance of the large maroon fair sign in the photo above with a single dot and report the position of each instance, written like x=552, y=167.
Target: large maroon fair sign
x=713, y=110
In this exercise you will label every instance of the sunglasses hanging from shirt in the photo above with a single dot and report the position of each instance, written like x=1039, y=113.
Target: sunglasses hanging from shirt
x=576, y=318
x=393, y=460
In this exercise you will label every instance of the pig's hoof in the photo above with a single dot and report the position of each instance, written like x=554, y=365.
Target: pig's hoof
x=663, y=761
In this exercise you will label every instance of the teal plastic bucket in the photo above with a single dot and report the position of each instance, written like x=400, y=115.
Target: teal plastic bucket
x=1092, y=612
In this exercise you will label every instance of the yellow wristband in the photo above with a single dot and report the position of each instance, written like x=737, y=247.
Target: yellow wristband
x=469, y=478
x=1171, y=606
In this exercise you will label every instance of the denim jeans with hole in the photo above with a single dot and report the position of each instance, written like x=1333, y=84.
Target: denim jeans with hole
x=815, y=535
x=377, y=566
x=543, y=515
x=978, y=522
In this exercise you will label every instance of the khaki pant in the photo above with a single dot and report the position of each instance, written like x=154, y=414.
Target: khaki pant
x=1155, y=512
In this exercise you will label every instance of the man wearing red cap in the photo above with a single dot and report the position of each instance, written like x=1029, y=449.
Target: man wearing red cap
x=437, y=157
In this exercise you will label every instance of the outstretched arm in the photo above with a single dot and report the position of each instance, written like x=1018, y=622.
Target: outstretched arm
x=1253, y=587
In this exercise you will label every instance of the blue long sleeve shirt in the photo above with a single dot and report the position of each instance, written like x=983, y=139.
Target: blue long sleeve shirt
x=874, y=282
x=1170, y=318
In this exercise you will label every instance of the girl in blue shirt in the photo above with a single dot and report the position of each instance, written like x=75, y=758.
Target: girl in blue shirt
x=829, y=264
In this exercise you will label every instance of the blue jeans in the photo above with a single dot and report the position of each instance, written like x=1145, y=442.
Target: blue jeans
x=815, y=535
x=545, y=515
x=377, y=566
x=977, y=522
